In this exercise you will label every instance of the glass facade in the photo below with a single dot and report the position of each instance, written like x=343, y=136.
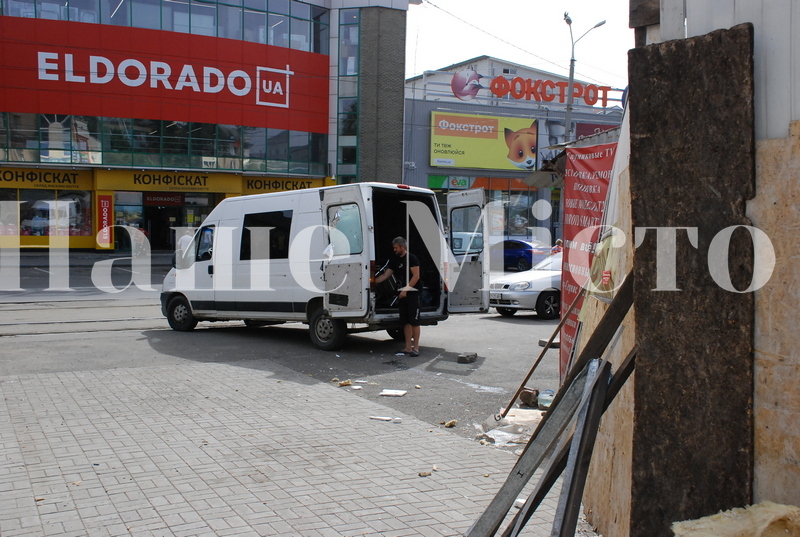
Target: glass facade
x=136, y=142
x=45, y=213
x=142, y=143
x=347, y=113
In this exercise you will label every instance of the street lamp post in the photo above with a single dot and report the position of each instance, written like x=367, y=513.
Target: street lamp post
x=568, y=20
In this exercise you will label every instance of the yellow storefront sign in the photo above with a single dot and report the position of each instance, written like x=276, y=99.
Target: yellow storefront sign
x=168, y=181
x=484, y=142
x=46, y=178
x=262, y=185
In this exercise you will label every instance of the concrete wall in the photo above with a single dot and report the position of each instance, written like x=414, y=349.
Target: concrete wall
x=382, y=75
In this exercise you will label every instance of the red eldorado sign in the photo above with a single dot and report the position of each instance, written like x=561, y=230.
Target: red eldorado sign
x=113, y=71
x=586, y=179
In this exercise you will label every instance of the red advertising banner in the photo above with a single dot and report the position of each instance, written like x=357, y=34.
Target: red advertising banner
x=105, y=220
x=49, y=66
x=586, y=179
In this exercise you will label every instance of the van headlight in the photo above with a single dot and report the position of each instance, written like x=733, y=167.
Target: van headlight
x=520, y=286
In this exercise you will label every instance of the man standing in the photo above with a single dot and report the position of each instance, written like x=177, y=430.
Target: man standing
x=405, y=267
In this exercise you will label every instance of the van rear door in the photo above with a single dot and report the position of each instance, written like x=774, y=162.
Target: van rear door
x=468, y=279
x=346, y=265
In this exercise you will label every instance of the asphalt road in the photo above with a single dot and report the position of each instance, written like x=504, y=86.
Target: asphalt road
x=104, y=331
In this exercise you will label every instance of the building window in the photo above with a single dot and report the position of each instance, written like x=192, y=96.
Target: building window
x=349, y=31
x=146, y=14
x=50, y=138
x=348, y=42
x=47, y=213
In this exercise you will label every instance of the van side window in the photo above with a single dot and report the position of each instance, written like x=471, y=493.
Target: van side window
x=463, y=223
x=205, y=243
x=346, y=219
x=266, y=235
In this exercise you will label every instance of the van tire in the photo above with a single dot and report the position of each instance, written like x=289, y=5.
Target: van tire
x=326, y=334
x=397, y=334
x=548, y=306
x=179, y=315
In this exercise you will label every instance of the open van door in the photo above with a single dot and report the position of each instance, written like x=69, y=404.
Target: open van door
x=346, y=265
x=466, y=221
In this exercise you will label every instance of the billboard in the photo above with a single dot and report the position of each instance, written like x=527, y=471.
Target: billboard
x=50, y=66
x=484, y=142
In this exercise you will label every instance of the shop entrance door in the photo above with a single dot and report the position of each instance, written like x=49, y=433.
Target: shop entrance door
x=159, y=221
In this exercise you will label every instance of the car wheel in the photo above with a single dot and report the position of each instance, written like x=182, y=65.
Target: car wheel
x=397, y=334
x=548, y=305
x=179, y=315
x=326, y=334
x=523, y=264
x=506, y=312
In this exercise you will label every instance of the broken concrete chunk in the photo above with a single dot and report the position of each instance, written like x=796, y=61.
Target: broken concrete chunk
x=528, y=397
x=450, y=424
x=467, y=357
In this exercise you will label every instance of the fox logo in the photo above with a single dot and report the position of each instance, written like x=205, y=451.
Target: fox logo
x=522, y=147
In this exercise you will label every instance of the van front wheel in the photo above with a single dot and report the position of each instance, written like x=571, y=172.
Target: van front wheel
x=179, y=315
x=326, y=333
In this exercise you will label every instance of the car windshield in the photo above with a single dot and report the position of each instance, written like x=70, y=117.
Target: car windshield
x=551, y=263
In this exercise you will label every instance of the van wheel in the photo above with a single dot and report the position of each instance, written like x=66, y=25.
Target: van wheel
x=179, y=315
x=506, y=312
x=397, y=334
x=326, y=333
x=547, y=306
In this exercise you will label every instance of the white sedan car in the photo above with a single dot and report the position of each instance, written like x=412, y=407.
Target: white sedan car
x=537, y=289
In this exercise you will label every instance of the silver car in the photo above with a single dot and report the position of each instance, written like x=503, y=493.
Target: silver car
x=537, y=289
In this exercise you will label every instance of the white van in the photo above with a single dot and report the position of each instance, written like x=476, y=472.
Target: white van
x=312, y=255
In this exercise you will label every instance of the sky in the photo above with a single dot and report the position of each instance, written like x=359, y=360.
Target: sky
x=532, y=33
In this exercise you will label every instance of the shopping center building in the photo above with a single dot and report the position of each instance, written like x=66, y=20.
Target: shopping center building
x=147, y=113
x=497, y=125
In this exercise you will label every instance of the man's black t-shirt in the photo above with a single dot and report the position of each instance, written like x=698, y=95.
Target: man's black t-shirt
x=400, y=265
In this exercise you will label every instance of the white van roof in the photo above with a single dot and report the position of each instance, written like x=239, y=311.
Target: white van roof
x=383, y=186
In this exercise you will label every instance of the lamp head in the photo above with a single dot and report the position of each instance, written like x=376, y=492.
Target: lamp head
x=568, y=19
x=598, y=24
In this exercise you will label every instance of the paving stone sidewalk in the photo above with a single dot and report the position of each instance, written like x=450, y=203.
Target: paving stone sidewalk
x=222, y=450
